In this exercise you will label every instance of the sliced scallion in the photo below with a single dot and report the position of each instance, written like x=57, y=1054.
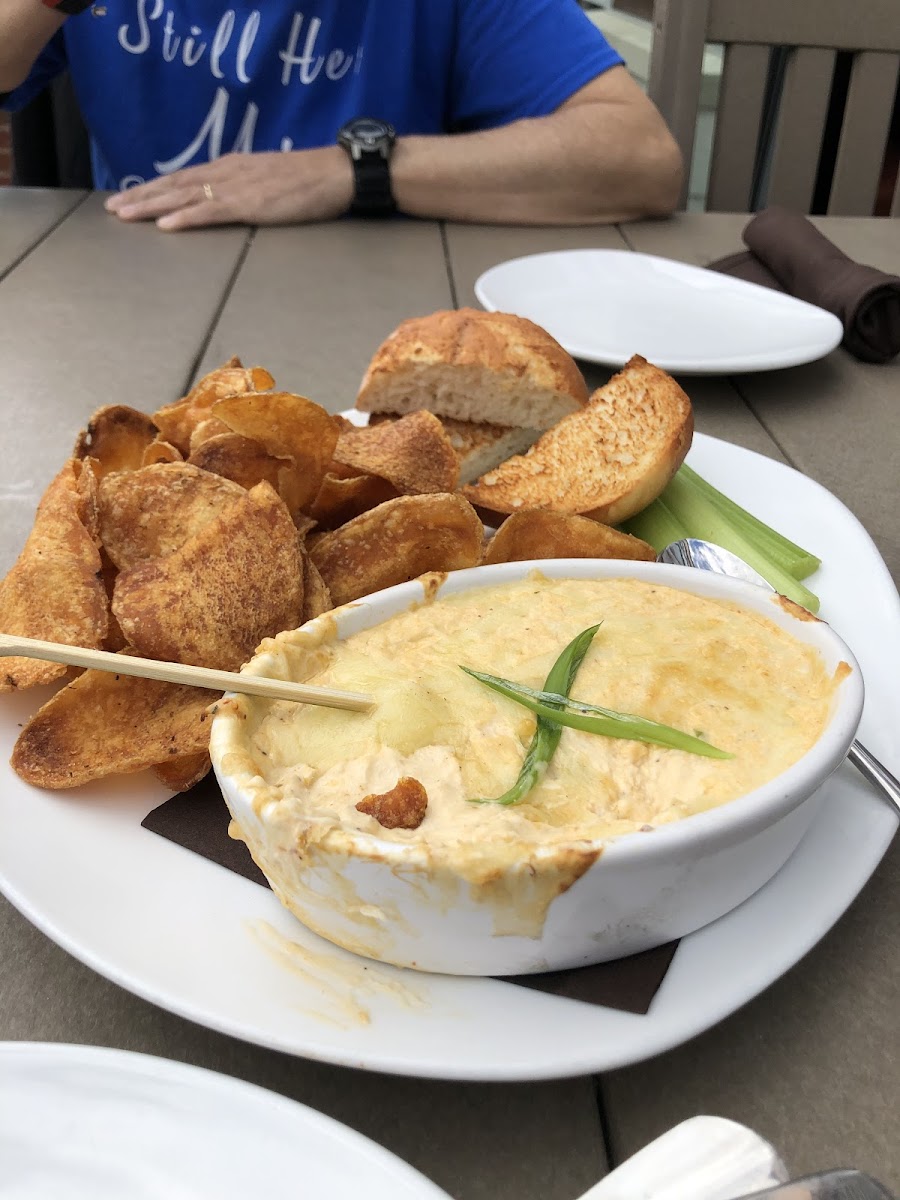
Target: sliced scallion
x=590, y=718
x=546, y=735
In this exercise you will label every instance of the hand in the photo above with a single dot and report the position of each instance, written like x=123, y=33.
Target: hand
x=271, y=188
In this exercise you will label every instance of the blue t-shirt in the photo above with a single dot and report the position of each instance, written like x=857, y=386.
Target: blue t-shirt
x=163, y=84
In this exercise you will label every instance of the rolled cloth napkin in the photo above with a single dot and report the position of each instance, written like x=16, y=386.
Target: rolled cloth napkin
x=787, y=252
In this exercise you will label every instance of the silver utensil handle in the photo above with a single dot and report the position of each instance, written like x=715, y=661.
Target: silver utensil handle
x=875, y=772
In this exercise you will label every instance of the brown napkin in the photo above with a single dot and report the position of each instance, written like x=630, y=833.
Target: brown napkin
x=198, y=820
x=787, y=252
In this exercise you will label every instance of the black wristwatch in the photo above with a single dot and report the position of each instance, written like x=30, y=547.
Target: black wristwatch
x=370, y=142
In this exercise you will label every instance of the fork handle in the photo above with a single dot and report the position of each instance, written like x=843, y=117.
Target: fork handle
x=878, y=774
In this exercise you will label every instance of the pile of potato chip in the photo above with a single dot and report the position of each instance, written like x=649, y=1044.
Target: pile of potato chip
x=192, y=535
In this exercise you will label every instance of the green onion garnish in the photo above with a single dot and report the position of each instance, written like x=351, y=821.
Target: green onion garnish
x=575, y=714
x=546, y=735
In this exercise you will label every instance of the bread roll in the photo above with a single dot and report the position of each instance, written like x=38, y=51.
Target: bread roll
x=467, y=365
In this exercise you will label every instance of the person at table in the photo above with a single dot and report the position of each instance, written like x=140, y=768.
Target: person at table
x=514, y=111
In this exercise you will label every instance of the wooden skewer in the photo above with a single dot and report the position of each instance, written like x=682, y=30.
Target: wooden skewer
x=168, y=672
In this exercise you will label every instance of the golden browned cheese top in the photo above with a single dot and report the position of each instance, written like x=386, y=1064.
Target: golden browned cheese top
x=717, y=671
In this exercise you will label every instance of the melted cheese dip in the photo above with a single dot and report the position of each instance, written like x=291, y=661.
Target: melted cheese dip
x=703, y=666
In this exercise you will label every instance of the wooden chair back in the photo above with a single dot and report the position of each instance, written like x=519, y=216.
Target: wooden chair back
x=776, y=95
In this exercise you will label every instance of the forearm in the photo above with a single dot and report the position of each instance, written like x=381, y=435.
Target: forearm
x=26, y=26
x=565, y=169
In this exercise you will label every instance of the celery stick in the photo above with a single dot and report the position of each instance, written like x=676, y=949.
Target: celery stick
x=656, y=525
x=780, y=550
x=704, y=519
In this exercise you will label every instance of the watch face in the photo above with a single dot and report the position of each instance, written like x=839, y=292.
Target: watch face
x=367, y=134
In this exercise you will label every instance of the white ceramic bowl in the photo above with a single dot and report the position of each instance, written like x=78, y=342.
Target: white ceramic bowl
x=384, y=900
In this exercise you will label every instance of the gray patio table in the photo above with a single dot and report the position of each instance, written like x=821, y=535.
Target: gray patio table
x=93, y=312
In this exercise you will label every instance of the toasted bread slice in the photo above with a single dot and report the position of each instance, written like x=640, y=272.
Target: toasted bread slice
x=480, y=448
x=468, y=365
x=608, y=461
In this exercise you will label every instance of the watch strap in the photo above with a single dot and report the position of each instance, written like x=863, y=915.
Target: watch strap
x=69, y=8
x=373, y=196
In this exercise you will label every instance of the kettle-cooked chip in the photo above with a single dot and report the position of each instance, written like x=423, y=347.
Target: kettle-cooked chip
x=210, y=428
x=178, y=421
x=239, y=459
x=316, y=596
x=538, y=533
x=181, y=772
x=288, y=427
x=339, y=500
x=115, y=639
x=116, y=437
x=55, y=590
x=160, y=452
x=104, y=724
x=397, y=541
x=413, y=453
x=211, y=602
x=150, y=512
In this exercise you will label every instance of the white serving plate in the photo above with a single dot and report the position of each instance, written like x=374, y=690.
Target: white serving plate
x=84, y=1123
x=606, y=305
x=219, y=950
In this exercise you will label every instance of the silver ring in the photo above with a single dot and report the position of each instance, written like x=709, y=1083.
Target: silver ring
x=207, y=191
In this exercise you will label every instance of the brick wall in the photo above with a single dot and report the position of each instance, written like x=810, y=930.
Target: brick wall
x=5, y=150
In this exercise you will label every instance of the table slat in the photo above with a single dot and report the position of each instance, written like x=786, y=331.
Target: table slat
x=313, y=303
x=26, y=216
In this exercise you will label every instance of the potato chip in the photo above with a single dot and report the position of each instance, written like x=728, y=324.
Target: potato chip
x=104, y=724
x=55, y=591
x=397, y=541
x=413, y=453
x=210, y=428
x=181, y=773
x=538, y=533
x=287, y=427
x=303, y=524
x=87, y=504
x=316, y=596
x=160, y=452
x=150, y=512
x=177, y=421
x=340, y=500
x=239, y=459
x=115, y=639
x=210, y=603
x=116, y=437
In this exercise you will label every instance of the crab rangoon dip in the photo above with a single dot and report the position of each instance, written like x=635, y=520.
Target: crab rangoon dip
x=367, y=826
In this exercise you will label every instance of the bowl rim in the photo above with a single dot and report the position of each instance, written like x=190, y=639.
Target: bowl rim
x=733, y=821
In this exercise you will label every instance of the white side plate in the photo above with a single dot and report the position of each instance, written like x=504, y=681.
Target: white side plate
x=85, y=1123
x=218, y=949
x=606, y=305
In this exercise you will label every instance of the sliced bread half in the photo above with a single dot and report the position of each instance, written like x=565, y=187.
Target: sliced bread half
x=607, y=461
x=468, y=365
